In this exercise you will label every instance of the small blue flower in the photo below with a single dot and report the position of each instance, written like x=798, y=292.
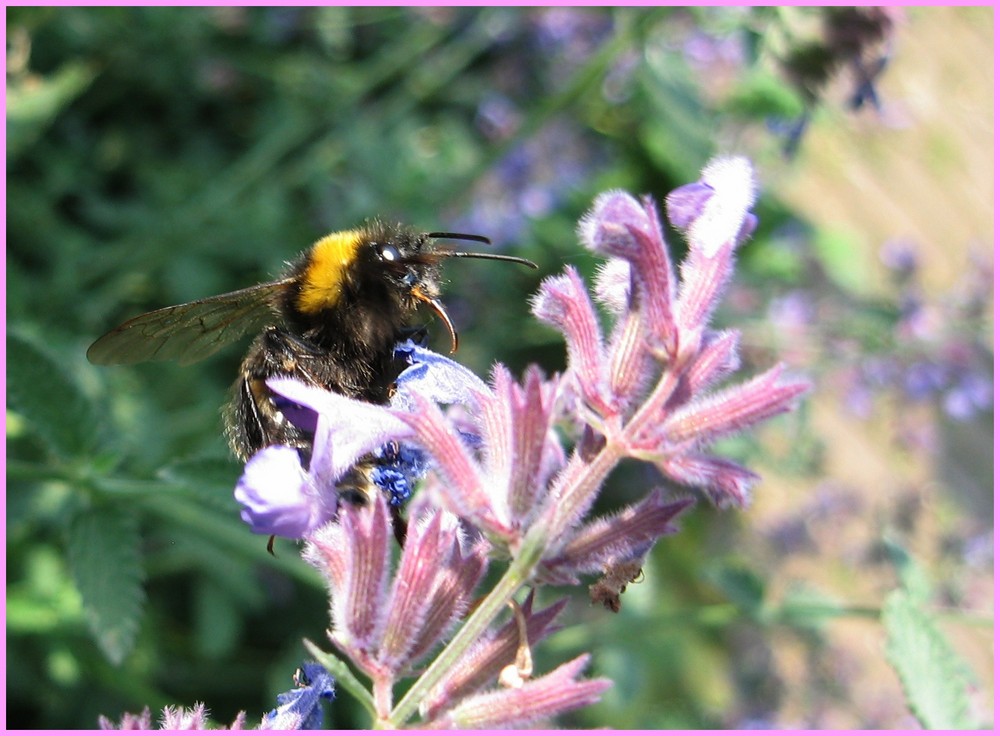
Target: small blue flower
x=300, y=708
x=435, y=377
x=398, y=469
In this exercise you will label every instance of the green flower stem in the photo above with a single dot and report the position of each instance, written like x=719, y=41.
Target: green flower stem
x=655, y=402
x=580, y=488
x=522, y=567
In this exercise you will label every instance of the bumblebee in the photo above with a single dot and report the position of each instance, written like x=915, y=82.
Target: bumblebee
x=332, y=320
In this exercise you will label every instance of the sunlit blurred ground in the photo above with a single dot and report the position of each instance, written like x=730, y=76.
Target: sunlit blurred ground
x=922, y=173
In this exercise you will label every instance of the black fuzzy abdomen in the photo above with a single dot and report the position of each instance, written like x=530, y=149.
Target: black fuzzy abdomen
x=348, y=367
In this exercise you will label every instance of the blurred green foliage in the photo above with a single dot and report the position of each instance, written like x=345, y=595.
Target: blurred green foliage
x=158, y=155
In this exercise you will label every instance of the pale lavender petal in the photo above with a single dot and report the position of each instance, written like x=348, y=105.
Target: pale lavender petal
x=347, y=429
x=436, y=377
x=278, y=497
x=723, y=216
x=686, y=203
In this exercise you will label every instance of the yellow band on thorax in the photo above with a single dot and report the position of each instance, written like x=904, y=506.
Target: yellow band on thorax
x=329, y=260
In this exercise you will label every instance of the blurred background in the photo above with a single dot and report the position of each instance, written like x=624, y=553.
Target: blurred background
x=159, y=155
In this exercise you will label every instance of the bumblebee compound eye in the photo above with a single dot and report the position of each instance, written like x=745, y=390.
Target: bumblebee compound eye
x=390, y=253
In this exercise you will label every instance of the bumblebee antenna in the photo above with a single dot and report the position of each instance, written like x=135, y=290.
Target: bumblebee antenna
x=469, y=254
x=460, y=236
x=490, y=257
x=433, y=255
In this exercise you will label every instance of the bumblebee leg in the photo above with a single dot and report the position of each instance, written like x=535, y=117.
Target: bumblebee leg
x=398, y=526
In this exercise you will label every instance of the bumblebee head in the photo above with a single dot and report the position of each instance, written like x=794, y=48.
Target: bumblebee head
x=392, y=269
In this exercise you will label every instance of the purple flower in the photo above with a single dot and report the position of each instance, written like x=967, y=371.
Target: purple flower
x=388, y=623
x=278, y=496
x=301, y=707
x=483, y=662
x=546, y=697
x=644, y=390
x=171, y=719
x=626, y=535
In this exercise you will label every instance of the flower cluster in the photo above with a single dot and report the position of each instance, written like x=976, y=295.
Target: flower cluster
x=499, y=486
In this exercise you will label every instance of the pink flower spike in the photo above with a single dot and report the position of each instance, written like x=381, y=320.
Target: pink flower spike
x=605, y=228
x=735, y=408
x=516, y=423
x=353, y=553
x=482, y=663
x=715, y=213
x=626, y=535
x=462, y=489
x=547, y=697
x=718, y=358
x=631, y=363
x=726, y=483
x=621, y=227
x=722, y=218
x=563, y=302
x=453, y=592
x=613, y=285
x=424, y=559
x=703, y=281
x=129, y=722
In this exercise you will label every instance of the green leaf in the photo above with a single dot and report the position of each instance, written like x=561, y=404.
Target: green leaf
x=210, y=480
x=49, y=401
x=761, y=94
x=218, y=623
x=934, y=678
x=106, y=564
x=842, y=254
x=911, y=576
x=741, y=585
x=33, y=102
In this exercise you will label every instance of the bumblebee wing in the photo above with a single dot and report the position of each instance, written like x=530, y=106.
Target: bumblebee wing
x=188, y=332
